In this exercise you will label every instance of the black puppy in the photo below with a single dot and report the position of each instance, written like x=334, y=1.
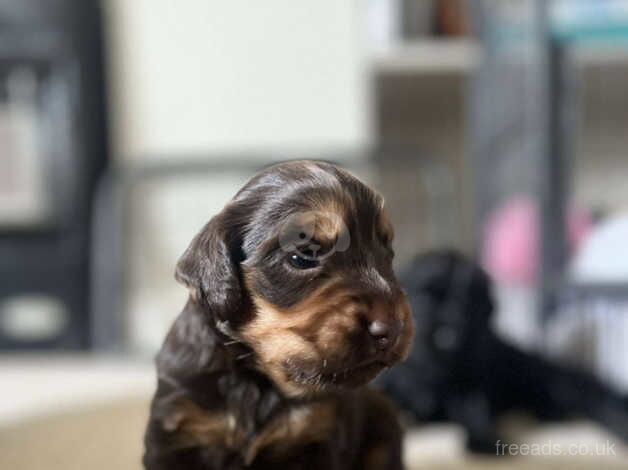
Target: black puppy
x=460, y=370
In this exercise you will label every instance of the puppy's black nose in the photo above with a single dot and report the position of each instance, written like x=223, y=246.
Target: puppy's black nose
x=384, y=333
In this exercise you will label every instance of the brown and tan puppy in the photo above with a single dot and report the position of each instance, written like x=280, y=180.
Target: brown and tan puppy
x=293, y=308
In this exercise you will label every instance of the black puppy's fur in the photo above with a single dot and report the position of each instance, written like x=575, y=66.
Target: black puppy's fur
x=460, y=370
x=264, y=367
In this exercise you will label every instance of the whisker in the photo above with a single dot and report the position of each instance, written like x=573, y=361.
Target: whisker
x=243, y=356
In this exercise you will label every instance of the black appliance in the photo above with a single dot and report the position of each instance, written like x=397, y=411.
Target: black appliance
x=53, y=152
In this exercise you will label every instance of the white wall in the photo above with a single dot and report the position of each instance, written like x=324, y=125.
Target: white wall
x=209, y=76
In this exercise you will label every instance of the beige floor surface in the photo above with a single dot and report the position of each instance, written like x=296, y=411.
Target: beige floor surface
x=109, y=438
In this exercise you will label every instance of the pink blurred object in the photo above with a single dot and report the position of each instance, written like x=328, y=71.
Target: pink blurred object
x=511, y=240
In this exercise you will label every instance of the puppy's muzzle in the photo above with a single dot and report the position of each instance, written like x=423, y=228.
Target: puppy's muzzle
x=383, y=327
x=384, y=333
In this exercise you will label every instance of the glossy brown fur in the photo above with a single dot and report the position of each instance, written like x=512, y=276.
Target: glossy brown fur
x=265, y=366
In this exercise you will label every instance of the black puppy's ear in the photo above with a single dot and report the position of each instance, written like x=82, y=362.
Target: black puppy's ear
x=483, y=295
x=210, y=267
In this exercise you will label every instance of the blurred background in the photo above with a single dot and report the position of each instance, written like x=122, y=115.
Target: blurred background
x=495, y=127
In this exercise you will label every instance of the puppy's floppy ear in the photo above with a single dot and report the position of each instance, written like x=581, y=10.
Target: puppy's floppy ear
x=210, y=267
x=482, y=293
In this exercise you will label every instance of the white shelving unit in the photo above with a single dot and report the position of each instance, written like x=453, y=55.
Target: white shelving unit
x=428, y=56
x=460, y=56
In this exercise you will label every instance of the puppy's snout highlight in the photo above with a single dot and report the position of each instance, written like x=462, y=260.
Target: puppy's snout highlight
x=384, y=333
x=384, y=328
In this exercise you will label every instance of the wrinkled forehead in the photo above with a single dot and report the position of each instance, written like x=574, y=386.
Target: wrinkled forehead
x=326, y=204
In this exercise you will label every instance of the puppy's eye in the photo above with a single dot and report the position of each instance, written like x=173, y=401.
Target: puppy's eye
x=299, y=262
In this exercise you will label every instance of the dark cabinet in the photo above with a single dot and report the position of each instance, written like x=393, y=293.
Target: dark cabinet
x=53, y=152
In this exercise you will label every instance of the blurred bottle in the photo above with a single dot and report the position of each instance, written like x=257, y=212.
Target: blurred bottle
x=451, y=18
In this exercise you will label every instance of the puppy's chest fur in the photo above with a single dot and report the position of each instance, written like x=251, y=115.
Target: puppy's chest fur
x=286, y=432
x=253, y=428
